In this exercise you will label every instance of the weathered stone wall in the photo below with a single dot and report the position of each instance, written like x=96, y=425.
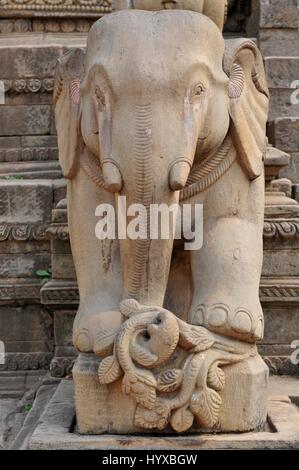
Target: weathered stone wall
x=279, y=42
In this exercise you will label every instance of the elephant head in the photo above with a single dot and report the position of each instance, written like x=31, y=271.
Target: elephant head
x=158, y=92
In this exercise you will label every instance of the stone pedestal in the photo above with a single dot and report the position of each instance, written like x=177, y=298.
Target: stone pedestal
x=56, y=431
x=106, y=409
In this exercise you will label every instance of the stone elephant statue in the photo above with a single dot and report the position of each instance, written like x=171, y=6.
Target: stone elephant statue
x=161, y=109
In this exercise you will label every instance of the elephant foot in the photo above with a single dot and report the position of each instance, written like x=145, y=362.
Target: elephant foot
x=96, y=333
x=243, y=320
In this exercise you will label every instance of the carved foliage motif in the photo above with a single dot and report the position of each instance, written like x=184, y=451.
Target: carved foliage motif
x=61, y=366
x=28, y=154
x=288, y=229
x=58, y=232
x=22, y=232
x=26, y=361
x=57, y=294
x=171, y=368
x=281, y=228
x=29, y=85
x=52, y=25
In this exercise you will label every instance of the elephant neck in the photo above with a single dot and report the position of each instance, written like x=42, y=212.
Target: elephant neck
x=208, y=172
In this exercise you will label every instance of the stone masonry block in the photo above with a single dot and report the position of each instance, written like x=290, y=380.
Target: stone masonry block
x=281, y=104
x=282, y=71
x=63, y=328
x=28, y=62
x=22, y=202
x=23, y=265
x=278, y=14
x=26, y=329
x=281, y=325
x=25, y=120
x=284, y=134
x=280, y=263
x=292, y=170
x=279, y=42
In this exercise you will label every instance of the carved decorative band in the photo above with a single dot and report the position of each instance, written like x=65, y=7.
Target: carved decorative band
x=67, y=295
x=281, y=228
x=26, y=361
x=70, y=294
x=28, y=154
x=52, y=25
x=30, y=85
x=19, y=291
x=61, y=366
x=52, y=7
x=279, y=291
x=58, y=232
x=22, y=232
x=281, y=365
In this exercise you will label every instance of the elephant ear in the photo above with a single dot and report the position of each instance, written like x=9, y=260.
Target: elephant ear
x=68, y=74
x=249, y=101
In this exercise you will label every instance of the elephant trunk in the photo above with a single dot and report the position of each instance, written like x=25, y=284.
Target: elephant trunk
x=178, y=174
x=111, y=176
x=146, y=260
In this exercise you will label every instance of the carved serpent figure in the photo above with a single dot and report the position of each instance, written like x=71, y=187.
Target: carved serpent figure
x=148, y=338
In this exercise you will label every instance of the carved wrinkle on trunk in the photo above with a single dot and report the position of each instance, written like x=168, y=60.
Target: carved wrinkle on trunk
x=143, y=194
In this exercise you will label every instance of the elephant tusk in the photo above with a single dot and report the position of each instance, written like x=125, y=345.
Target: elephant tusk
x=112, y=176
x=178, y=174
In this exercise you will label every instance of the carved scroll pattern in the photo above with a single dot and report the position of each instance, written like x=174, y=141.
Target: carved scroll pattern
x=171, y=368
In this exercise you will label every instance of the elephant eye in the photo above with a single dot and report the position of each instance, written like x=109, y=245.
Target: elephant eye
x=100, y=97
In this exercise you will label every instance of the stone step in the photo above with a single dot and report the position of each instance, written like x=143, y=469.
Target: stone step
x=44, y=394
x=13, y=384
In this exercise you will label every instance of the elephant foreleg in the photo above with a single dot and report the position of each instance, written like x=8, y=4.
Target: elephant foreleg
x=98, y=268
x=226, y=271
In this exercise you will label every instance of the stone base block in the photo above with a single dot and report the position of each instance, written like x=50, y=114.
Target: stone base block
x=106, y=409
x=57, y=431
